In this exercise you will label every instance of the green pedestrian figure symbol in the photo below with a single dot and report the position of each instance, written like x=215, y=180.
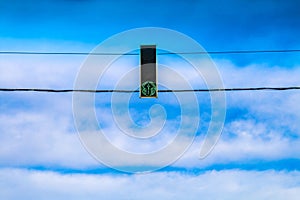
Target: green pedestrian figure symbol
x=149, y=89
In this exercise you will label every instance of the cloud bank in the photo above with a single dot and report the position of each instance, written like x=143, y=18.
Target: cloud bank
x=226, y=184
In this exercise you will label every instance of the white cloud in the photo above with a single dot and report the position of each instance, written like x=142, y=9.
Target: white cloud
x=38, y=71
x=231, y=184
x=39, y=139
x=244, y=142
x=257, y=75
x=45, y=138
x=53, y=71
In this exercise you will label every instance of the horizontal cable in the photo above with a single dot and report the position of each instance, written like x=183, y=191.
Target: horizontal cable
x=236, y=52
x=130, y=91
x=159, y=53
x=64, y=53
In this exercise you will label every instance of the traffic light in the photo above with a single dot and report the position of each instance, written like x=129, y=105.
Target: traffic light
x=148, y=85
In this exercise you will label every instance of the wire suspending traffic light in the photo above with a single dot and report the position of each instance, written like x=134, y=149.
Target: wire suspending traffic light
x=159, y=53
x=165, y=91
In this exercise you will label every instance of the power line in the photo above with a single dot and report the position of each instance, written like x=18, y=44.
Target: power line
x=236, y=52
x=163, y=91
x=64, y=53
x=160, y=53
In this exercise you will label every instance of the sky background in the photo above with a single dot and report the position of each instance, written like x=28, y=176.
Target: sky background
x=257, y=156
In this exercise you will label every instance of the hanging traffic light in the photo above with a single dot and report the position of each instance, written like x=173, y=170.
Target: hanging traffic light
x=148, y=85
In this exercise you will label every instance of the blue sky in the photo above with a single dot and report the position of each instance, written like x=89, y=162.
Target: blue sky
x=257, y=155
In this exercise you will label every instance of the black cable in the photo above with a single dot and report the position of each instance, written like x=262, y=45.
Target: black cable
x=236, y=52
x=160, y=53
x=64, y=53
x=130, y=91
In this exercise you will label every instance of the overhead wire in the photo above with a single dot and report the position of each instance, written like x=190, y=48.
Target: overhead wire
x=162, y=90
x=159, y=53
